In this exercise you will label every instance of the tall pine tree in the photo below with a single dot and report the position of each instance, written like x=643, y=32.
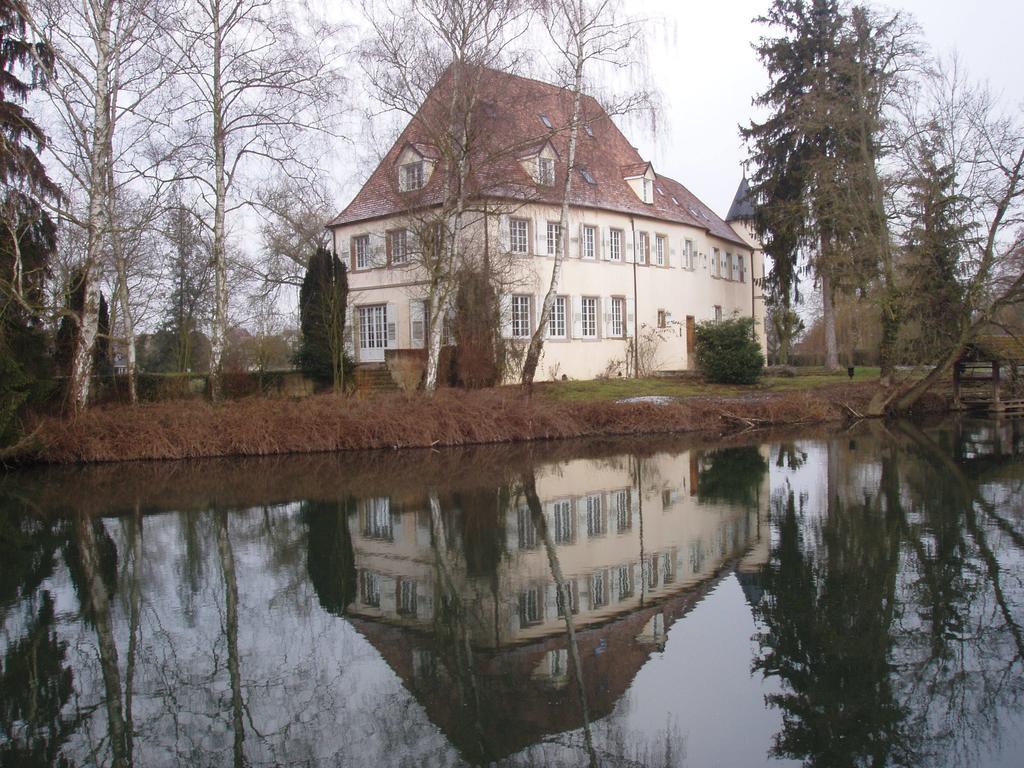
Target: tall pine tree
x=27, y=234
x=784, y=148
x=322, y=301
x=933, y=246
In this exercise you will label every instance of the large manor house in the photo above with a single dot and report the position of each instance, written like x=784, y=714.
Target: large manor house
x=644, y=258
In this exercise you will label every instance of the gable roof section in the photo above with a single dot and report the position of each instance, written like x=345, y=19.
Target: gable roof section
x=507, y=127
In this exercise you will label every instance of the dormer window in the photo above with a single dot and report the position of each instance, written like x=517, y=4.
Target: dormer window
x=545, y=171
x=410, y=176
x=640, y=177
x=648, y=188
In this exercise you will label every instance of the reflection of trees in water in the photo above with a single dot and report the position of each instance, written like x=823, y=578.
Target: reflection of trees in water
x=36, y=679
x=889, y=618
x=732, y=476
x=330, y=560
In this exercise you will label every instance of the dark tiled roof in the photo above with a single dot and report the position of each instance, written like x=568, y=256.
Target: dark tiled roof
x=505, y=130
x=742, y=205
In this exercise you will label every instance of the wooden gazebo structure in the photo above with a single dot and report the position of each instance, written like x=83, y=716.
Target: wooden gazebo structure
x=982, y=369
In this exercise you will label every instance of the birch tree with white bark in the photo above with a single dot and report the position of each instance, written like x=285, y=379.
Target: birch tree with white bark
x=585, y=33
x=260, y=75
x=104, y=71
x=415, y=46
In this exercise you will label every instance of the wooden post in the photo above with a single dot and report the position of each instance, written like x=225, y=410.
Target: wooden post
x=958, y=368
x=997, y=404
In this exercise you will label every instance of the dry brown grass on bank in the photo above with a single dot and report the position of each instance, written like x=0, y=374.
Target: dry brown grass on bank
x=262, y=427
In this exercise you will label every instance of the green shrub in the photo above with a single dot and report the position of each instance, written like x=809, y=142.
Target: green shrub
x=728, y=352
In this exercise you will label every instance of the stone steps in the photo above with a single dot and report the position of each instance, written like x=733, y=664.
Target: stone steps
x=373, y=379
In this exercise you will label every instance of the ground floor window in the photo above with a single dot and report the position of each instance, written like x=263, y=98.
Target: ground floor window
x=617, y=315
x=531, y=607
x=556, y=322
x=521, y=325
x=588, y=310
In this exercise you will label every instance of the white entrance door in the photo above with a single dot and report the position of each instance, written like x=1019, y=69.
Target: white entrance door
x=373, y=333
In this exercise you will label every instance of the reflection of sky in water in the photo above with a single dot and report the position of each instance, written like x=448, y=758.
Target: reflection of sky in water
x=380, y=689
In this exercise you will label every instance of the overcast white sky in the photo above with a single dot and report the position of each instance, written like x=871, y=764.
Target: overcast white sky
x=701, y=61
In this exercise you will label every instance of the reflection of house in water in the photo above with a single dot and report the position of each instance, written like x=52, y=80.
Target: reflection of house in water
x=637, y=541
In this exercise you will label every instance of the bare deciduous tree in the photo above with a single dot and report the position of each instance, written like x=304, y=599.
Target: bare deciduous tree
x=985, y=147
x=447, y=45
x=585, y=32
x=258, y=78
x=102, y=73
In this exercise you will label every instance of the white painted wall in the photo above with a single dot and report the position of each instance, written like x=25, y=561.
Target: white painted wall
x=673, y=289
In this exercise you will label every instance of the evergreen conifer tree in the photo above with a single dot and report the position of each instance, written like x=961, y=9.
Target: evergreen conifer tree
x=27, y=237
x=785, y=147
x=322, y=302
x=934, y=244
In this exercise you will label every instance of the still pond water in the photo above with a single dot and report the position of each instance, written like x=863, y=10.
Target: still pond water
x=814, y=599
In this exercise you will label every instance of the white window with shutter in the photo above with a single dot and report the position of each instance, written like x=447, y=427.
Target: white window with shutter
x=588, y=312
x=554, y=240
x=643, y=247
x=398, y=242
x=361, y=252
x=588, y=242
x=556, y=322
x=519, y=236
x=688, y=254
x=522, y=326
x=616, y=317
x=659, y=250
x=615, y=245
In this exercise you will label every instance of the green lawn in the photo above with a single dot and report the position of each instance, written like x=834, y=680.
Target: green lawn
x=616, y=389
